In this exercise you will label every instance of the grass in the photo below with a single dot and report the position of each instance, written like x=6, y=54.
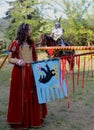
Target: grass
x=80, y=115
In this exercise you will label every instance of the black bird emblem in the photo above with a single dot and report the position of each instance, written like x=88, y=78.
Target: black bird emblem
x=49, y=74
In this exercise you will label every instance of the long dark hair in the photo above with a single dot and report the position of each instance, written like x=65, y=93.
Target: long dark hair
x=22, y=33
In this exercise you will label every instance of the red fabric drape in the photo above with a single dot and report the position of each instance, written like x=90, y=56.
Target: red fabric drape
x=64, y=72
x=78, y=64
x=83, y=72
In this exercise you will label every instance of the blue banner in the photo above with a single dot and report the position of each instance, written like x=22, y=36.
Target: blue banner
x=48, y=77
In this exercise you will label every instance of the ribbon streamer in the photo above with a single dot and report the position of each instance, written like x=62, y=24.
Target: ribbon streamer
x=83, y=72
x=78, y=64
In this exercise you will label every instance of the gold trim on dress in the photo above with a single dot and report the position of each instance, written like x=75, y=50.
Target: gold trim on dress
x=26, y=53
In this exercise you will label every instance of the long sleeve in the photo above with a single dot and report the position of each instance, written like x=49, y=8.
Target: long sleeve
x=13, y=57
x=12, y=60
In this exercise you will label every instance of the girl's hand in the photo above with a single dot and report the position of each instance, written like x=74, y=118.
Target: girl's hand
x=21, y=62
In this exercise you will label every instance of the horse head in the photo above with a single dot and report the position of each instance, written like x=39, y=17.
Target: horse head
x=42, y=40
x=46, y=40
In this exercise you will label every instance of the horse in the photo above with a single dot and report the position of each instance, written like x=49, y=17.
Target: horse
x=47, y=40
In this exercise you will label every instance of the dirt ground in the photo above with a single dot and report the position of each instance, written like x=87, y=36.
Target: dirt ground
x=80, y=115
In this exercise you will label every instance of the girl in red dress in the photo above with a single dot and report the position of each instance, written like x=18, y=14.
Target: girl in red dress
x=24, y=111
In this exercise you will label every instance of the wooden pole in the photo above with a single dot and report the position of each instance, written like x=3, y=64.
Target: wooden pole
x=67, y=48
x=5, y=58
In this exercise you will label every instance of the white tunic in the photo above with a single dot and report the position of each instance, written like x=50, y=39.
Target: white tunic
x=57, y=33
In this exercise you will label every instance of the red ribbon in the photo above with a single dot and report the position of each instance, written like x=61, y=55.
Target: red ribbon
x=63, y=61
x=50, y=52
x=83, y=72
x=78, y=64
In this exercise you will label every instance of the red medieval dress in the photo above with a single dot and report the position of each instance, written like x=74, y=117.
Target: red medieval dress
x=24, y=111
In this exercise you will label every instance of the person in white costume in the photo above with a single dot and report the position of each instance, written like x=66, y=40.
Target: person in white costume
x=57, y=34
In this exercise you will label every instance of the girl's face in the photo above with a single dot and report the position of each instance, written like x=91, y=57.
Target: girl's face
x=29, y=31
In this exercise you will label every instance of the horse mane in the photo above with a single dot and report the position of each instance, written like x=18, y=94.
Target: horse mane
x=41, y=40
x=46, y=40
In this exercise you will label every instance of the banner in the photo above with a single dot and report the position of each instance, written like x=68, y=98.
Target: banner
x=48, y=77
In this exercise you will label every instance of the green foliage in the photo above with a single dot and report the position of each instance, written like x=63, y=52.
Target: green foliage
x=78, y=25
x=26, y=12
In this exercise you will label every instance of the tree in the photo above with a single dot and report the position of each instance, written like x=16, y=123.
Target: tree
x=77, y=22
x=25, y=11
